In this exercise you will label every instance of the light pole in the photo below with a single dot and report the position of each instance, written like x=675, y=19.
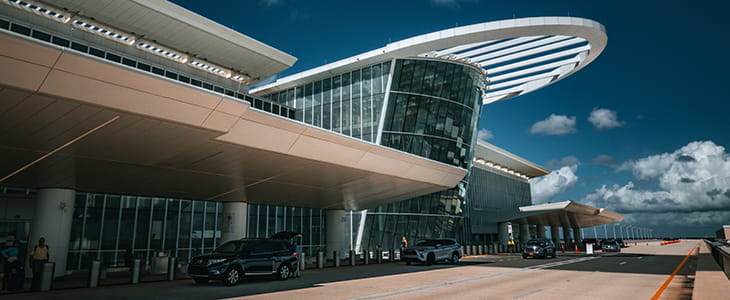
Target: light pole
x=614, y=230
x=605, y=231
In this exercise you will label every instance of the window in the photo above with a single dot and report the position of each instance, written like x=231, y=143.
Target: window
x=61, y=41
x=143, y=66
x=171, y=75
x=113, y=57
x=20, y=29
x=158, y=71
x=41, y=35
x=129, y=62
x=96, y=52
x=4, y=24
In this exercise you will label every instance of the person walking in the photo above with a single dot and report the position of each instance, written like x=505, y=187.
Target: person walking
x=12, y=267
x=40, y=255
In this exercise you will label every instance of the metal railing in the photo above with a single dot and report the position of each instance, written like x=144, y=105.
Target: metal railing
x=721, y=253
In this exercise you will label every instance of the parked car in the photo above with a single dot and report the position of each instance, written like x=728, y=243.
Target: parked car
x=245, y=257
x=611, y=246
x=430, y=251
x=539, y=248
x=621, y=243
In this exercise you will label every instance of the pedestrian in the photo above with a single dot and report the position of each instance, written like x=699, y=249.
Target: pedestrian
x=12, y=267
x=403, y=243
x=40, y=255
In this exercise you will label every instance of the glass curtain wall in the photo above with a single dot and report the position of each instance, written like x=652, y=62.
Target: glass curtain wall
x=433, y=109
x=266, y=220
x=348, y=103
x=106, y=226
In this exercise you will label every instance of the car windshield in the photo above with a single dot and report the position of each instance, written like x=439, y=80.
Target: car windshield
x=536, y=243
x=426, y=243
x=231, y=247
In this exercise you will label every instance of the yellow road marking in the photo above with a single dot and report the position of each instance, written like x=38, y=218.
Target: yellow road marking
x=676, y=270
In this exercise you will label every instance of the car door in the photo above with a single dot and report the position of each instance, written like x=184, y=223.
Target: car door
x=259, y=259
x=442, y=249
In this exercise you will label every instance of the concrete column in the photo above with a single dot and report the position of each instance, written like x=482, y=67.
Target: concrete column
x=335, y=227
x=524, y=233
x=540, y=231
x=567, y=236
x=578, y=236
x=502, y=234
x=54, y=211
x=555, y=234
x=233, y=221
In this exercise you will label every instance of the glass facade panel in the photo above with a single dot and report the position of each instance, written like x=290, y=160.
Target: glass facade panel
x=106, y=226
x=422, y=121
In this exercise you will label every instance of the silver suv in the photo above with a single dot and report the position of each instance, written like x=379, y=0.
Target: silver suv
x=430, y=251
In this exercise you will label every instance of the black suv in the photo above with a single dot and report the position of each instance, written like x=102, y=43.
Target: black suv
x=539, y=248
x=235, y=259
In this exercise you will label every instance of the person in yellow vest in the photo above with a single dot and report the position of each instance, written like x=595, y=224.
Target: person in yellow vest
x=39, y=256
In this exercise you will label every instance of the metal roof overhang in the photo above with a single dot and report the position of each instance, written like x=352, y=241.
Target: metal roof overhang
x=494, y=154
x=563, y=214
x=183, y=30
x=180, y=141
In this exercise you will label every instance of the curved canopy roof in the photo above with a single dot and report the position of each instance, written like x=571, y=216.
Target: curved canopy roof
x=518, y=55
x=186, y=31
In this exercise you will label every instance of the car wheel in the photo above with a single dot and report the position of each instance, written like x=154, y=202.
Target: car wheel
x=232, y=276
x=524, y=256
x=200, y=280
x=554, y=255
x=431, y=259
x=283, y=272
x=455, y=258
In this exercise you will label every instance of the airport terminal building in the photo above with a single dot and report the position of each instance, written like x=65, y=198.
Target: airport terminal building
x=140, y=131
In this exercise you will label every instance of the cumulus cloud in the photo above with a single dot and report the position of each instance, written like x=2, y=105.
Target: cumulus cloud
x=546, y=188
x=563, y=162
x=603, y=159
x=691, y=181
x=554, y=125
x=604, y=119
x=484, y=134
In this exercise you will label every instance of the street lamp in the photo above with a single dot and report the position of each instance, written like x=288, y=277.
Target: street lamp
x=614, y=230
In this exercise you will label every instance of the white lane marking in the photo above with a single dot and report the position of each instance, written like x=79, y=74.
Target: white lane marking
x=443, y=284
x=622, y=263
x=527, y=294
x=639, y=257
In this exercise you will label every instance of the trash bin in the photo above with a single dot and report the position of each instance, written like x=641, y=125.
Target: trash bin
x=159, y=262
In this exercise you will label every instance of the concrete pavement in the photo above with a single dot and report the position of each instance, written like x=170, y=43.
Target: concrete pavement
x=637, y=273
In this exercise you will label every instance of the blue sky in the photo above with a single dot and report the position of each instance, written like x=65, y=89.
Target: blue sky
x=657, y=88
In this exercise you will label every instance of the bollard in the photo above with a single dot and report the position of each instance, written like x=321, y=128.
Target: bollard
x=462, y=250
x=171, y=268
x=379, y=255
x=301, y=261
x=366, y=257
x=320, y=259
x=391, y=255
x=336, y=258
x=94, y=273
x=135, y=269
x=352, y=257
x=481, y=249
x=47, y=276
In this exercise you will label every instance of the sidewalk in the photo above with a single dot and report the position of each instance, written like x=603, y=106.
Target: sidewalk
x=710, y=281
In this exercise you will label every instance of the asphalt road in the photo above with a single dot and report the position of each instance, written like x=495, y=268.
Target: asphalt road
x=636, y=273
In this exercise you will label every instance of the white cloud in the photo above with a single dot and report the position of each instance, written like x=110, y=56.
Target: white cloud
x=563, y=162
x=546, y=188
x=693, y=181
x=484, y=134
x=604, y=119
x=554, y=125
x=603, y=159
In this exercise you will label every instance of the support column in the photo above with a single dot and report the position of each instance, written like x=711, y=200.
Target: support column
x=335, y=238
x=567, y=236
x=555, y=234
x=524, y=233
x=502, y=233
x=233, y=221
x=540, y=231
x=52, y=220
x=578, y=236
